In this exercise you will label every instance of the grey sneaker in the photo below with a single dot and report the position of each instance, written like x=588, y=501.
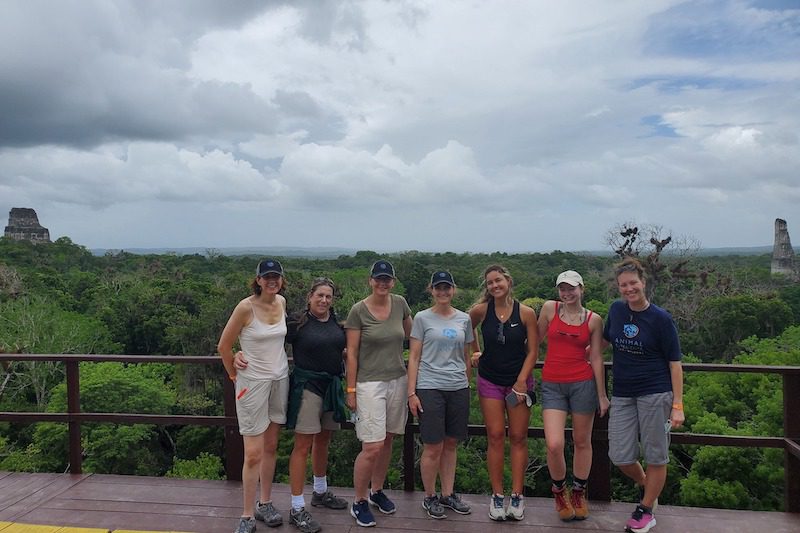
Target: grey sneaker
x=516, y=507
x=267, y=513
x=434, y=508
x=455, y=503
x=327, y=499
x=302, y=520
x=246, y=525
x=497, y=508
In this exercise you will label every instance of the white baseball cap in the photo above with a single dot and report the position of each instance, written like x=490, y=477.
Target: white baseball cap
x=570, y=277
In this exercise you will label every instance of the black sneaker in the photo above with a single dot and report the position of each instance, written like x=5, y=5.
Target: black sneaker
x=246, y=525
x=361, y=512
x=382, y=502
x=302, y=520
x=327, y=499
x=434, y=508
x=455, y=503
x=267, y=513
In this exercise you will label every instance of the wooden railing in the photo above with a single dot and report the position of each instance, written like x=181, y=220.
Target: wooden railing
x=600, y=478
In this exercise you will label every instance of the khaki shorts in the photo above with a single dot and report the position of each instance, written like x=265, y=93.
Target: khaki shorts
x=259, y=403
x=381, y=408
x=310, y=418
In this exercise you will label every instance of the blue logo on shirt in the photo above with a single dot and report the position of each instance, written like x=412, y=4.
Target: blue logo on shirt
x=630, y=330
x=450, y=333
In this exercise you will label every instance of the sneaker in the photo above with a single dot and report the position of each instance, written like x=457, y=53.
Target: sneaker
x=497, y=509
x=360, y=511
x=246, y=525
x=516, y=507
x=267, y=513
x=455, y=503
x=302, y=520
x=641, y=521
x=327, y=499
x=564, y=508
x=434, y=508
x=382, y=502
x=579, y=503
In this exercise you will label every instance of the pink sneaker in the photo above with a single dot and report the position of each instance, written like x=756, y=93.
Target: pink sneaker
x=641, y=521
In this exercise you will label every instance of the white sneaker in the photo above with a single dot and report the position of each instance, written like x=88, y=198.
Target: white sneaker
x=516, y=507
x=497, y=509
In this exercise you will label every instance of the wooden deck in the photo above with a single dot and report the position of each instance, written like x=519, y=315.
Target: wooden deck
x=114, y=503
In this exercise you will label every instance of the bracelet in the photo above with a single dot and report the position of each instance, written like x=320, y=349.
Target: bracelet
x=412, y=394
x=677, y=406
x=515, y=392
x=351, y=389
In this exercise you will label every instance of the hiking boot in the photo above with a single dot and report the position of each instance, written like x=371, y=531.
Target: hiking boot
x=564, y=508
x=361, y=512
x=579, y=503
x=455, y=503
x=497, y=509
x=516, y=507
x=246, y=525
x=641, y=521
x=302, y=520
x=267, y=513
x=327, y=499
x=434, y=508
x=382, y=502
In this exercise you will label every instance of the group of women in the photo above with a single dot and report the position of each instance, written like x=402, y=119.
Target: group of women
x=435, y=387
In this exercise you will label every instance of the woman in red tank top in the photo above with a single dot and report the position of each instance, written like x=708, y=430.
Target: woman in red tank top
x=573, y=382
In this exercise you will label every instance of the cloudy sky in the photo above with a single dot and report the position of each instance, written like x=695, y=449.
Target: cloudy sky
x=398, y=125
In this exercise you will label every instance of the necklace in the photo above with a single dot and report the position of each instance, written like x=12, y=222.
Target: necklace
x=574, y=319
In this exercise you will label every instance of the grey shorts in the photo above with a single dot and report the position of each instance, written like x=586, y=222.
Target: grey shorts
x=260, y=402
x=577, y=397
x=644, y=421
x=445, y=413
x=310, y=418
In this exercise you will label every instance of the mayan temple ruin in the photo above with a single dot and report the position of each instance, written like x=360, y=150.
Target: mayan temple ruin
x=782, y=252
x=23, y=225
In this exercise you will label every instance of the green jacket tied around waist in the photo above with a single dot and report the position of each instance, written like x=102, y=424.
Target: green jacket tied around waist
x=333, y=400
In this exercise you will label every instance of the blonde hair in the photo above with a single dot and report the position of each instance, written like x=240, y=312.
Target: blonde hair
x=484, y=295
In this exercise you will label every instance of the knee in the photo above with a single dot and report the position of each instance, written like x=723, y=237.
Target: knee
x=301, y=447
x=496, y=438
x=432, y=452
x=252, y=458
x=371, y=450
x=555, y=446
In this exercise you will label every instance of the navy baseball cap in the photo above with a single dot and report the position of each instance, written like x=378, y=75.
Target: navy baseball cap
x=382, y=268
x=442, y=276
x=269, y=266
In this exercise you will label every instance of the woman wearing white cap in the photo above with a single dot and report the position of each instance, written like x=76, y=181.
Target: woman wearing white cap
x=376, y=386
x=572, y=383
x=438, y=391
x=261, y=374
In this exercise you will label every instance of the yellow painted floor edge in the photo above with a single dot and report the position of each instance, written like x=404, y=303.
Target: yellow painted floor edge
x=16, y=527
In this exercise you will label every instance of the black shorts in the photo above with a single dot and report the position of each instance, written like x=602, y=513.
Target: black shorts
x=444, y=413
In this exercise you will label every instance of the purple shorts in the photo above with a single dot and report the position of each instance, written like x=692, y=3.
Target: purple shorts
x=487, y=389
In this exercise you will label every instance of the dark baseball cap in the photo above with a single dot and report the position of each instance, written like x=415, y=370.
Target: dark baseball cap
x=269, y=266
x=442, y=276
x=381, y=268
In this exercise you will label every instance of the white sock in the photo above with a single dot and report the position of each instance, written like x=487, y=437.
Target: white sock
x=320, y=484
x=298, y=502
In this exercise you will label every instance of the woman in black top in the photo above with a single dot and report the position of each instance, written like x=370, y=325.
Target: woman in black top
x=505, y=366
x=316, y=399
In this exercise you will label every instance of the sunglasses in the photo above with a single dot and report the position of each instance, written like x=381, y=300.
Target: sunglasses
x=567, y=334
x=501, y=336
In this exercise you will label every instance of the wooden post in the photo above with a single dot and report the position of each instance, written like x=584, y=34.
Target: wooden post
x=234, y=444
x=73, y=408
x=791, y=432
x=600, y=474
x=408, y=456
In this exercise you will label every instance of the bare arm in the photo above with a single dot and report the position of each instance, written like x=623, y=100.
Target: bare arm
x=545, y=316
x=596, y=360
x=676, y=376
x=414, y=356
x=477, y=313
x=353, y=345
x=233, y=328
x=529, y=319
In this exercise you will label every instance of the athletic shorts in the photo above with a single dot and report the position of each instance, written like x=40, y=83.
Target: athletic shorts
x=311, y=419
x=639, y=420
x=576, y=397
x=487, y=389
x=381, y=408
x=444, y=413
x=259, y=403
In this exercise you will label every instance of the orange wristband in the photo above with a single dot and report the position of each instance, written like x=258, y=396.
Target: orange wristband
x=677, y=406
x=351, y=389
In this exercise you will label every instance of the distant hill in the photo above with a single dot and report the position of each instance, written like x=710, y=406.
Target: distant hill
x=320, y=252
